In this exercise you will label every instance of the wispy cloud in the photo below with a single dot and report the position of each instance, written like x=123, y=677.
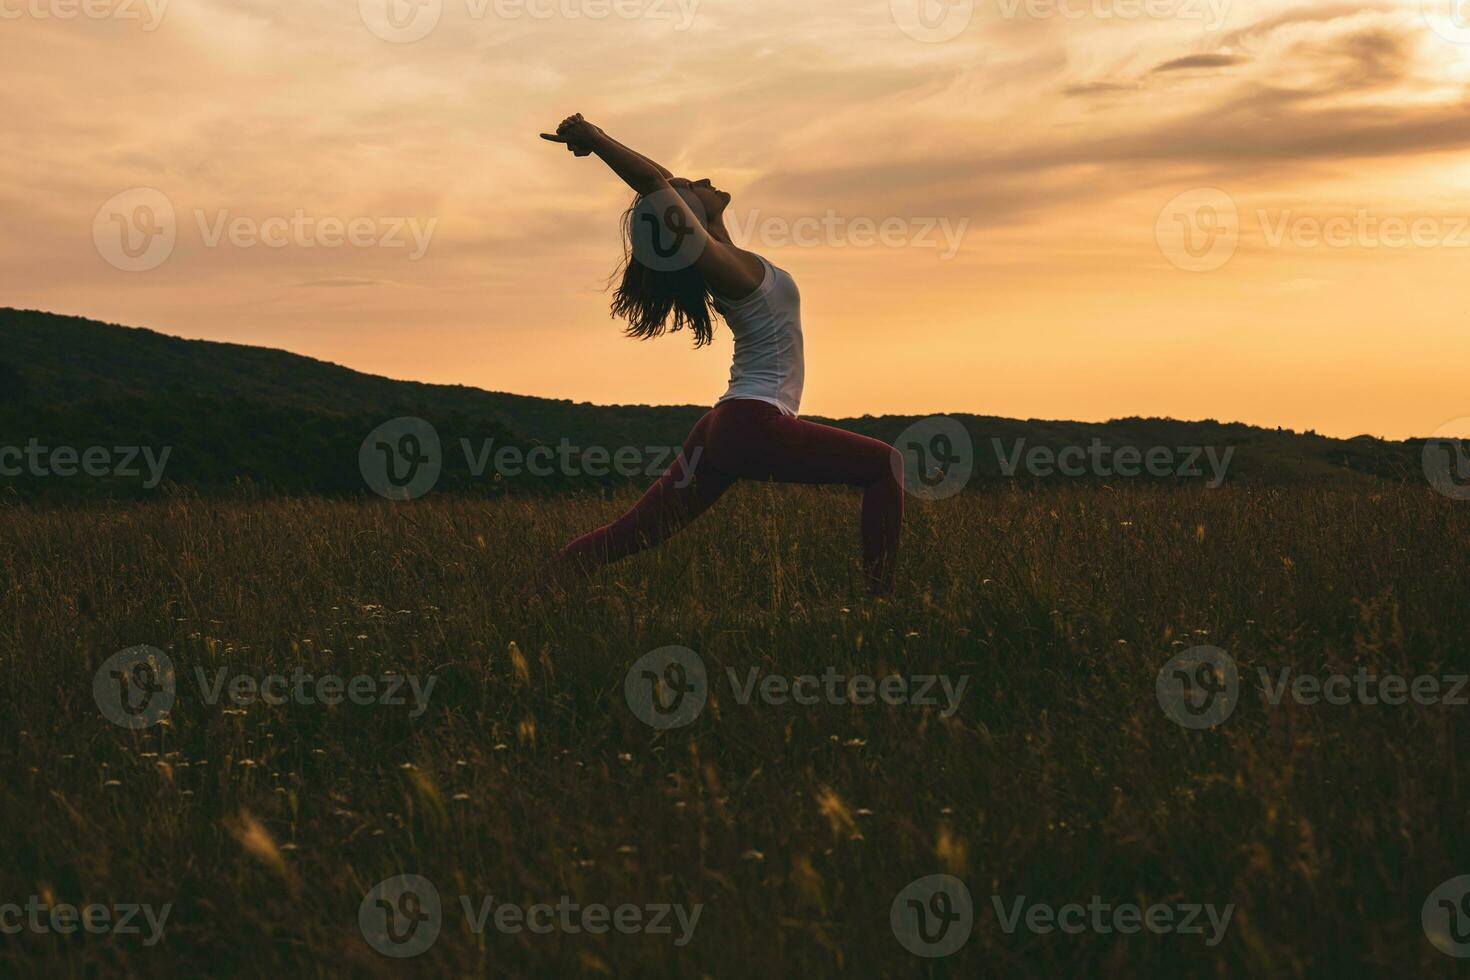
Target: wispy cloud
x=1200, y=61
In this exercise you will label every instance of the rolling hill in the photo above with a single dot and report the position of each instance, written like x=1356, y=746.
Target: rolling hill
x=235, y=417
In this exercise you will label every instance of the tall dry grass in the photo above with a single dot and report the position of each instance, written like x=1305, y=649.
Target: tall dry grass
x=528, y=778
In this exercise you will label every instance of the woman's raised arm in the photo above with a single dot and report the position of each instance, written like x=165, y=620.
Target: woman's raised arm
x=727, y=270
x=637, y=171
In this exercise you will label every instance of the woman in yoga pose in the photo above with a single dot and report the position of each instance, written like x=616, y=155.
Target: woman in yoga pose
x=680, y=266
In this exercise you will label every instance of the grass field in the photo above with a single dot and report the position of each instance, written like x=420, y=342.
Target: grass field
x=528, y=777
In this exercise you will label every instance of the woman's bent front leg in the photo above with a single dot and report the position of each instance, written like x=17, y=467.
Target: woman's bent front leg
x=755, y=440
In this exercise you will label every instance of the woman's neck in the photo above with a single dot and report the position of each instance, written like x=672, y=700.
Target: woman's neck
x=716, y=228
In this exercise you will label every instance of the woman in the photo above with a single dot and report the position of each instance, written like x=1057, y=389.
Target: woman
x=680, y=266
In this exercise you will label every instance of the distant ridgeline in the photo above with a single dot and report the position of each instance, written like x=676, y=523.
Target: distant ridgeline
x=89, y=410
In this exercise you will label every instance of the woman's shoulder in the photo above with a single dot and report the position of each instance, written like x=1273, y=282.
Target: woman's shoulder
x=763, y=273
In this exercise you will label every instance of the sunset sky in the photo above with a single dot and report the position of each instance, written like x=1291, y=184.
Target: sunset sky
x=1094, y=163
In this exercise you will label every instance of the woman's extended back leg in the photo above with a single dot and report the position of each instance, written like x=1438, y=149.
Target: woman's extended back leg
x=686, y=490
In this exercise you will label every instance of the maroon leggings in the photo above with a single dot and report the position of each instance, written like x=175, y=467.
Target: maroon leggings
x=746, y=439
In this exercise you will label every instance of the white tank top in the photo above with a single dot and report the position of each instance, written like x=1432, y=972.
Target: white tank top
x=769, y=365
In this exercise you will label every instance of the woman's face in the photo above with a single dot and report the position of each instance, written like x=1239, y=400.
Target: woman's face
x=710, y=197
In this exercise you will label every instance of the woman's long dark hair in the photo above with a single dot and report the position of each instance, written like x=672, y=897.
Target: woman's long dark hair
x=655, y=302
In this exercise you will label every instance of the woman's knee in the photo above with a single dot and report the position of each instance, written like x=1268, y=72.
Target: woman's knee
x=888, y=462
